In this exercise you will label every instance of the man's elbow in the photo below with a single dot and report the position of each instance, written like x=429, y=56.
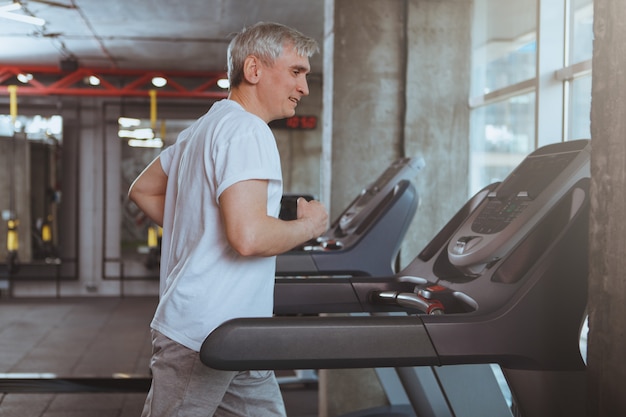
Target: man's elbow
x=245, y=245
x=244, y=249
x=132, y=194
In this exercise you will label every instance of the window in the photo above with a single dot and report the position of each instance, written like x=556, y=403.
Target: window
x=502, y=135
x=504, y=59
x=37, y=128
x=508, y=81
x=504, y=44
x=579, y=58
x=519, y=97
x=581, y=32
x=580, y=108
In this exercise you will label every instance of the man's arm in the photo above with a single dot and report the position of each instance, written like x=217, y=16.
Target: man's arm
x=251, y=232
x=148, y=191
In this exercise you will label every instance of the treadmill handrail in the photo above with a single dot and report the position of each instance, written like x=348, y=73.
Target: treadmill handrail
x=319, y=343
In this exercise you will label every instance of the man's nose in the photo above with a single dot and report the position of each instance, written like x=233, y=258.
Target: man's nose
x=303, y=88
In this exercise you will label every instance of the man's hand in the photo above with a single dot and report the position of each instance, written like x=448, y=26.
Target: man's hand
x=316, y=215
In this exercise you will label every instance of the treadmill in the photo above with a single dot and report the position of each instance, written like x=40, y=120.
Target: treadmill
x=503, y=282
x=365, y=239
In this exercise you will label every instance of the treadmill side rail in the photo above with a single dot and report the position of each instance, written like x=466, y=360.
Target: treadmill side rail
x=318, y=343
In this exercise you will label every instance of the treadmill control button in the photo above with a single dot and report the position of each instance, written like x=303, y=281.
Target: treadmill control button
x=465, y=243
x=332, y=244
x=497, y=214
x=430, y=291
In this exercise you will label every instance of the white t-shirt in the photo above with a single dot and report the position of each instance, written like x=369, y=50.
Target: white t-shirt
x=204, y=282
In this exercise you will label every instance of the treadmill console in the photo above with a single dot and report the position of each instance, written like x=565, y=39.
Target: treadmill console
x=370, y=197
x=366, y=237
x=509, y=211
x=355, y=218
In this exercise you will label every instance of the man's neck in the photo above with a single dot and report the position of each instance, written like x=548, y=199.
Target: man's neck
x=248, y=101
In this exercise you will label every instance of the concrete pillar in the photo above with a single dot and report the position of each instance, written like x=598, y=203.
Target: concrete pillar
x=90, y=198
x=437, y=112
x=367, y=121
x=366, y=126
x=607, y=286
x=401, y=87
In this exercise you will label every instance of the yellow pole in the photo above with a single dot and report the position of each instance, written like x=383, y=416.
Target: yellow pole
x=12, y=102
x=153, y=241
x=153, y=109
x=12, y=239
x=46, y=233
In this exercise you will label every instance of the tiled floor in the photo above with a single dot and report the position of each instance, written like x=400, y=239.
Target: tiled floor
x=88, y=337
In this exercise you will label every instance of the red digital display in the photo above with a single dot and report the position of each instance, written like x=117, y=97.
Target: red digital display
x=296, y=122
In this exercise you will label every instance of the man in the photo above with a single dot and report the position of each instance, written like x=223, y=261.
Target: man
x=217, y=192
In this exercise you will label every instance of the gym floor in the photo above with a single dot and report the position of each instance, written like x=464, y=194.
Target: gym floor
x=90, y=338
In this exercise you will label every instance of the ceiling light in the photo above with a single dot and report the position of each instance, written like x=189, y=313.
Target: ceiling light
x=11, y=7
x=159, y=82
x=223, y=83
x=92, y=80
x=24, y=78
x=146, y=143
x=145, y=133
x=128, y=122
x=6, y=12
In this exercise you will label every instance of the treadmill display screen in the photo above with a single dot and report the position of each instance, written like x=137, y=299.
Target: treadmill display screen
x=364, y=203
x=524, y=185
x=534, y=175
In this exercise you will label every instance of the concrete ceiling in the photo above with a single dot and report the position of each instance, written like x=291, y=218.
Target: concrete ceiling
x=182, y=35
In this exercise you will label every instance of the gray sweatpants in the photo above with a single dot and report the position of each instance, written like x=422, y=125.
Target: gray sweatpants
x=182, y=386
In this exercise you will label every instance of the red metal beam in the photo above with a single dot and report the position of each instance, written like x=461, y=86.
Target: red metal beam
x=48, y=80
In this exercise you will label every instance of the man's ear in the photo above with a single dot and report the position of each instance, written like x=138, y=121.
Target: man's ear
x=252, y=69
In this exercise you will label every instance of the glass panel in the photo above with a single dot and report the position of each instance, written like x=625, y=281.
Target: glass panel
x=581, y=32
x=30, y=187
x=580, y=108
x=140, y=236
x=501, y=135
x=504, y=43
x=37, y=128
